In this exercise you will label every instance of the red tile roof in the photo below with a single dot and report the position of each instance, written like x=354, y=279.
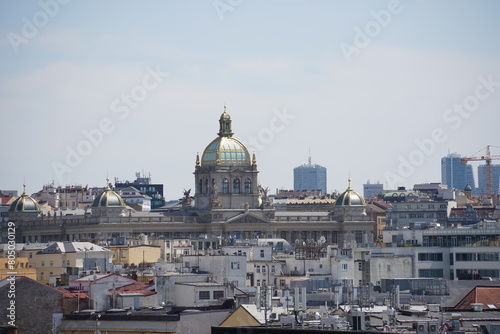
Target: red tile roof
x=488, y=296
x=135, y=286
x=72, y=295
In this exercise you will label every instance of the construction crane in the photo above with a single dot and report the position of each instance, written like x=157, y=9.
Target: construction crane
x=489, y=167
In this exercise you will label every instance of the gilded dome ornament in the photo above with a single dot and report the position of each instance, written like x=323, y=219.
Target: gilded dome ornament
x=225, y=150
x=350, y=197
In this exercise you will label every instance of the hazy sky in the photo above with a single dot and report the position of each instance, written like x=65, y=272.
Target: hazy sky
x=378, y=90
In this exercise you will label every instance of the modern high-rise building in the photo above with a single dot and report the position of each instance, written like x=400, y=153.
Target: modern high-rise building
x=372, y=189
x=309, y=177
x=495, y=179
x=455, y=173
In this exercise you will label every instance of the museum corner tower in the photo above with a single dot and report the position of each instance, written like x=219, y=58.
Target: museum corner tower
x=226, y=174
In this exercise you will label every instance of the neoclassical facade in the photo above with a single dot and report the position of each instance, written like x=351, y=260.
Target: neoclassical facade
x=228, y=203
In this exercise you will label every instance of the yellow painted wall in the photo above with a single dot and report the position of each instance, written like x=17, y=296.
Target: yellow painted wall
x=136, y=254
x=21, y=268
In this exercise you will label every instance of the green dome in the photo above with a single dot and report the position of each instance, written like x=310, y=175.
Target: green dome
x=226, y=151
x=108, y=198
x=468, y=188
x=24, y=203
x=350, y=198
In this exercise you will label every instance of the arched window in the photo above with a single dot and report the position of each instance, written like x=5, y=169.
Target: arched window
x=248, y=186
x=225, y=186
x=206, y=186
x=236, y=186
x=200, y=187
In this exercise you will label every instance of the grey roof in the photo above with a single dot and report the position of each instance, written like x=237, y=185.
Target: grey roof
x=72, y=247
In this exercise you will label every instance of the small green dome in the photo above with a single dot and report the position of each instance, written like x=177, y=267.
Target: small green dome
x=468, y=188
x=108, y=198
x=25, y=203
x=350, y=198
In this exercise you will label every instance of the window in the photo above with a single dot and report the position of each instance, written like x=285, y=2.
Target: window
x=235, y=265
x=203, y=295
x=200, y=187
x=225, y=186
x=218, y=294
x=344, y=266
x=258, y=282
x=273, y=269
x=236, y=186
x=430, y=257
x=248, y=186
x=487, y=256
x=257, y=269
x=261, y=253
x=264, y=283
x=51, y=263
x=388, y=268
x=465, y=257
x=334, y=237
x=263, y=269
x=358, y=236
x=43, y=263
x=430, y=273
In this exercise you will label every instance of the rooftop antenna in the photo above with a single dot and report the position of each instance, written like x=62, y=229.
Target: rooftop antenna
x=309, y=156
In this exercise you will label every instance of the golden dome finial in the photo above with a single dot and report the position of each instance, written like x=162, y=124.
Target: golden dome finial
x=24, y=188
x=197, y=159
x=349, y=182
x=107, y=182
x=254, y=160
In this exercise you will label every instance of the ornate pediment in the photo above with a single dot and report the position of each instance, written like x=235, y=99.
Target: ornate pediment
x=246, y=218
